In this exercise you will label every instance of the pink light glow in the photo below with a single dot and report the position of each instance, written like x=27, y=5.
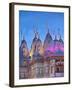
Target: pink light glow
x=56, y=48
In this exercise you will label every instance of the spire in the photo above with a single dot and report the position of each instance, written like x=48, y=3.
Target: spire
x=36, y=32
x=55, y=37
x=60, y=37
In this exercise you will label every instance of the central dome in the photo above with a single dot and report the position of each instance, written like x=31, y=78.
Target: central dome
x=36, y=40
x=36, y=47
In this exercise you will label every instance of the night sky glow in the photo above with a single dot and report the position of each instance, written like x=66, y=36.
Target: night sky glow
x=41, y=21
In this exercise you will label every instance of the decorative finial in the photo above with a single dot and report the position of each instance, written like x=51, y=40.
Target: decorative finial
x=34, y=29
x=37, y=35
x=36, y=32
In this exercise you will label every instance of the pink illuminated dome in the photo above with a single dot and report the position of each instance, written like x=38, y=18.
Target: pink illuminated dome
x=55, y=46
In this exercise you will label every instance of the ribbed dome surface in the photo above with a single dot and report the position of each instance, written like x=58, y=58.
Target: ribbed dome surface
x=48, y=38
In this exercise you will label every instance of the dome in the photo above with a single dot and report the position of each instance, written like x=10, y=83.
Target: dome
x=23, y=42
x=38, y=40
x=55, y=46
x=58, y=45
x=35, y=40
x=36, y=45
x=24, y=49
x=48, y=40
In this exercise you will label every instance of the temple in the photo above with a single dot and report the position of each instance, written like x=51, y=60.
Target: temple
x=43, y=60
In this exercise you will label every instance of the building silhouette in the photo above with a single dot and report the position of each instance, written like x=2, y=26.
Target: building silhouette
x=43, y=61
